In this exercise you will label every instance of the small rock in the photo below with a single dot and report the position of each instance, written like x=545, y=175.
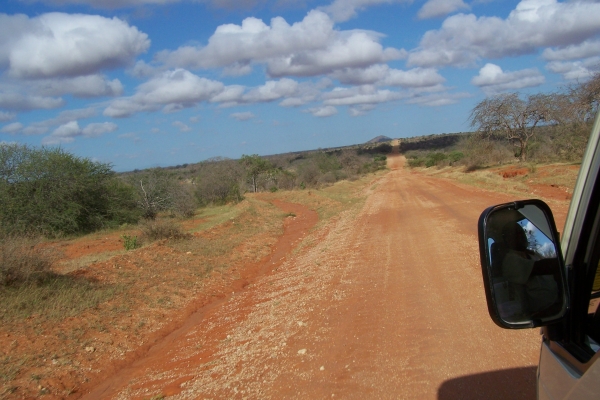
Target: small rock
x=90, y=349
x=322, y=368
x=302, y=351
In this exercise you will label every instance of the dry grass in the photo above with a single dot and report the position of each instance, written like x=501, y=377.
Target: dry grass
x=22, y=261
x=558, y=175
x=158, y=229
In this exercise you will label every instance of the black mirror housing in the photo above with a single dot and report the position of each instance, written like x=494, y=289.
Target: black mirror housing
x=522, y=265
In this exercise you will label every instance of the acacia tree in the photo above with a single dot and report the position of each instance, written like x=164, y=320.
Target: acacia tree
x=510, y=116
x=255, y=166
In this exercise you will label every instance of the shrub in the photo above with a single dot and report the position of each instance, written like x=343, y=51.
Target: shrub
x=51, y=192
x=218, y=182
x=22, y=261
x=130, y=242
x=435, y=159
x=162, y=229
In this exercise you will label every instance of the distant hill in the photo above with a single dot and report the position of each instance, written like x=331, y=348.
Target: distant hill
x=380, y=139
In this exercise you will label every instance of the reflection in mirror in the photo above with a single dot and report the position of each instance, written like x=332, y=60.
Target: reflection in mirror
x=526, y=276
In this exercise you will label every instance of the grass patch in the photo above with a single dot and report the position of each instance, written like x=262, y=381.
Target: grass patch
x=216, y=215
x=21, y=260
x=54, y=298
x=87, y=260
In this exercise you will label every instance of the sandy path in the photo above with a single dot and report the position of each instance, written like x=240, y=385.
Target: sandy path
x=384, y=302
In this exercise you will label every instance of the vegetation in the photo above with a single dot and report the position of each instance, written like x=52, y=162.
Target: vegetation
x=537, y=128
x=51, y=192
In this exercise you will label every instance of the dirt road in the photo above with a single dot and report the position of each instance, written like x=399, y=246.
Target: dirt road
x=385, y=302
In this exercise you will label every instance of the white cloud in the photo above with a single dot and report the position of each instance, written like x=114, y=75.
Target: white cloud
x=575, y=70
x=492, y=79
x=464, y=39
x=589, y=48
x=98, y=129
x=361, y=109
x=181, y=126
x=306, y=48
x=7, y=116
x=440, y=8
x=242, y=116
x=366, y=94
x=437, y=99
x=382, y=75
x=343, y=10
x=63, y=134
x=141, y=70
x=81, y=86
x=22, y=102
x=271, y=90
x=67, y=133
x=172, y=90
x=231, y=95
x=66, y=45
x=326, y=111
x=13, y=128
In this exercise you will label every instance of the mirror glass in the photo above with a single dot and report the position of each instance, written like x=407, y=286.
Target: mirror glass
x=523, y=264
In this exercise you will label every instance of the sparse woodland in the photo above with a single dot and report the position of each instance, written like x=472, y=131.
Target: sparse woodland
x=510, y=127
x=50, y=193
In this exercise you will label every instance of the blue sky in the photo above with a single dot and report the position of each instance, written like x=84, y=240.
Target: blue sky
x=143, y=83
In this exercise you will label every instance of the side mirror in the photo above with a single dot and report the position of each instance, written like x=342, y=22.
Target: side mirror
x=522, y=266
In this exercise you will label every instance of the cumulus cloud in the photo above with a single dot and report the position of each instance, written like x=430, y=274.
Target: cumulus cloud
x=66, y=45
x=383, y=75
x=437, y=99
x=24, y=102
x=343, y=10
x=13, y=128
x=534, y=24
x=492, y=79
x=581, y=70
x=271, y=90
x=242, y=116
x=7, y=116
x=172, y=90
x=361, y=109
x=306, y=48
x=181, y=126
x=440, y=8
x=325, y=111
x=589, y=48
x=366, y=94
x=67, y=133
x=81, y=86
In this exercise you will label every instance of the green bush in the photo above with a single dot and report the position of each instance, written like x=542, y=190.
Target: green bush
x=51, y=192
x=434, y=159
x=130, y=242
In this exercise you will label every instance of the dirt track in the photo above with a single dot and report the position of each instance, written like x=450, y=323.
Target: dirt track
x=385, y=302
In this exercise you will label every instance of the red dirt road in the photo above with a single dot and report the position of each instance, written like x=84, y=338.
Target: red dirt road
x=385, y=302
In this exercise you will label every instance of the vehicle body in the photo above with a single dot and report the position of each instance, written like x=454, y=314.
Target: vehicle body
x=550, y=284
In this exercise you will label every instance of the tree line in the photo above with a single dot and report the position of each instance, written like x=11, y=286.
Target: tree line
x=50, y=192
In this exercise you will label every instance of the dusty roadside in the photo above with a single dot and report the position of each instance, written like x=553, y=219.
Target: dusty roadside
x=380, y=300
x=385, y=302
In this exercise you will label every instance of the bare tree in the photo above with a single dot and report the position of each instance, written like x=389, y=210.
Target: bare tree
x=510, y=116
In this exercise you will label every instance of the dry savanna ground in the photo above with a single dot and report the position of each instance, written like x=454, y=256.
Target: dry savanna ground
x=364, y=289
